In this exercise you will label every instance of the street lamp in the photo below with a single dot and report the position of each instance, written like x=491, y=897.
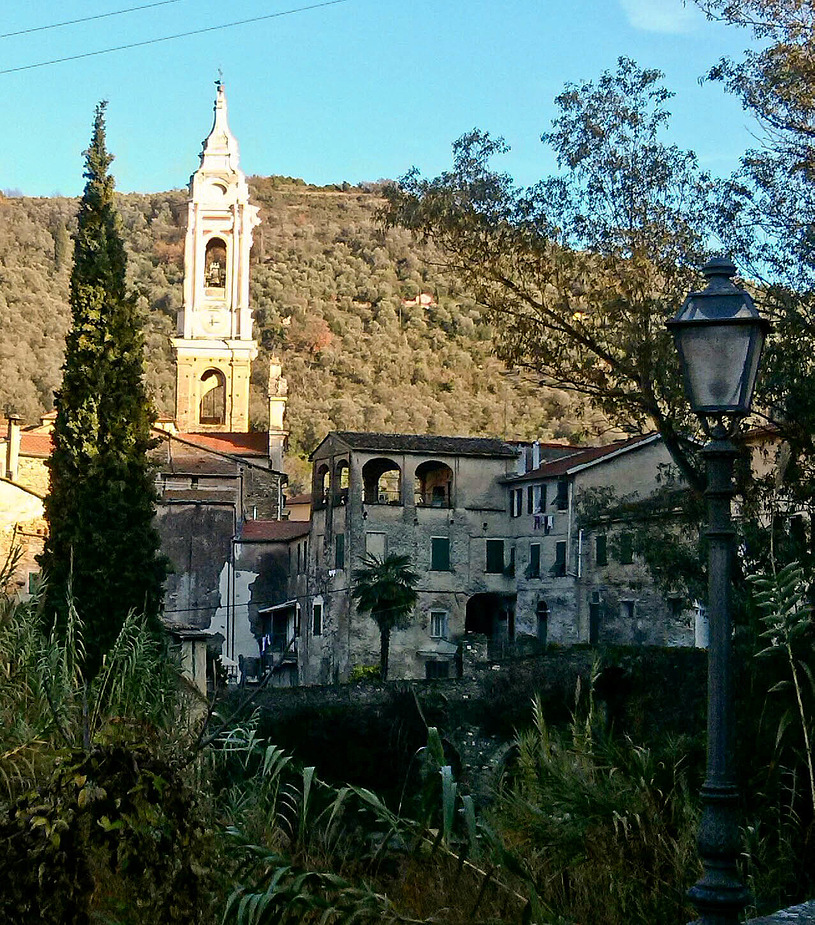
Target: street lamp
x=719, y=336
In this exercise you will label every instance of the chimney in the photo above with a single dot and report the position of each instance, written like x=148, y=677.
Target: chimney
x=13, y=447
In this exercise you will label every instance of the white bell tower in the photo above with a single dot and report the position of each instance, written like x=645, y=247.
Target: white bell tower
x=214, y=347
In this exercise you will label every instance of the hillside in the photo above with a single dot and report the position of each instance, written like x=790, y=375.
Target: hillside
x=333, y=293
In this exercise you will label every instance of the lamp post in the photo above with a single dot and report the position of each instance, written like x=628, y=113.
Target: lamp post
x=719, y=336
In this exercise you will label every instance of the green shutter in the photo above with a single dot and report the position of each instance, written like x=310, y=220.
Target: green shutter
x=535, y=560
x=495, y=556
x=440, y=554
x=339, y=550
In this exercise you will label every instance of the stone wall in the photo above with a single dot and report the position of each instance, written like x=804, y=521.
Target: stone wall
x=368, y=734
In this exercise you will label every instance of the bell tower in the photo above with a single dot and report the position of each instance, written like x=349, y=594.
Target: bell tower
x=214, y=347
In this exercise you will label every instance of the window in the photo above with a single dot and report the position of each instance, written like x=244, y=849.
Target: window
x=677, y=607
x=215, y=264
x=626, y=549
x=339, y=550
x=317, y=619
x=299, y=555
x=535, y=560
x=440, y=553
x=212, y=409
x=495, y=556
x=595, y=615
x=539, y=502
x=516, y=502
x=542, y=613
x=560, y=560
x=562, y=499
x=438, y=624
x=376, y=545
x=627, y=609
x=600, y=549
x=436, y=669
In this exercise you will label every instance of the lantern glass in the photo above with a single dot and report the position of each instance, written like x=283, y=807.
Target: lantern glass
x=721, y=363
x=719, y=336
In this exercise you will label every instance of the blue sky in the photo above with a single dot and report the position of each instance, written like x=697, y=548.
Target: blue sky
x=359, y=90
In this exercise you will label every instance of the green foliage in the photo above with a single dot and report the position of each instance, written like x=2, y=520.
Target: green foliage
x=102, y=547
x=605, y=828
x=99, y=813
x=786, y=612
x=365, y=673
x=385, y=588
x=314, y=853
x=334, y=296
x=581, y=271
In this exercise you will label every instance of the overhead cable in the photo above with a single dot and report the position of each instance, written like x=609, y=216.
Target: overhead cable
x=168, y=38
x=73, y=22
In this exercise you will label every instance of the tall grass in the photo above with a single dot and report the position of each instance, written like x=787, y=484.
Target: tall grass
x=605, y=828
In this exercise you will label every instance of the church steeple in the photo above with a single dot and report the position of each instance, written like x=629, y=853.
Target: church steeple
x=214, y=347
x=220, y=151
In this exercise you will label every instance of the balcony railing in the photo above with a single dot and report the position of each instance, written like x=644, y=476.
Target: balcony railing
x=383, y=496
x=426, y=499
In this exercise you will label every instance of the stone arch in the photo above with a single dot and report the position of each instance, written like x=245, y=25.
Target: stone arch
x=483, y=611
x=215, y=264
x=322, y=483
x=433, y=484
x=342, y=476
x=212, y=406
x=382, y=482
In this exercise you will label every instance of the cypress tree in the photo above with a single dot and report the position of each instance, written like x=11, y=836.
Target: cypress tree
x=102, y=550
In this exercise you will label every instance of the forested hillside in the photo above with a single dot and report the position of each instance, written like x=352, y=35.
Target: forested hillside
x=333, y=293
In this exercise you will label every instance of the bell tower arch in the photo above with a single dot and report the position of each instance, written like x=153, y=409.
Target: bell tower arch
x=214, y=346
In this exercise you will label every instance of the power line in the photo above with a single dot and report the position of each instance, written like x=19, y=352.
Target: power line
x=72, y=22
x=168, y=38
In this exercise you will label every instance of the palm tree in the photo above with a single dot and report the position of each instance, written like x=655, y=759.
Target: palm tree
x=385, y=588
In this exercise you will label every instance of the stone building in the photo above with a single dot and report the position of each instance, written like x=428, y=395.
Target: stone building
x=578, y=577
x=493, y=531
x=215, y=474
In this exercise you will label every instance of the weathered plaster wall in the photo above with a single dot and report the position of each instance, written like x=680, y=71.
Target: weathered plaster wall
x=197, y=538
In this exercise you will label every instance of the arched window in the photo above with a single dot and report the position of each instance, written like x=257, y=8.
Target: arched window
x=341, y=482
x=382, y=480
x=213, y=398
x=215, y=264
x=433, y=485
x=321, y=485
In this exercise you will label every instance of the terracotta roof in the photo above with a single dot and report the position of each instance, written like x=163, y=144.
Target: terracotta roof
x=38, y=445
x=426, y=444
x=252, y=444
x=274, y=531
x=304, y=498
x=567, y=464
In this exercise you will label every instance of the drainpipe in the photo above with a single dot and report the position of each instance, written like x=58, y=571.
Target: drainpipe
x=13, y=447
